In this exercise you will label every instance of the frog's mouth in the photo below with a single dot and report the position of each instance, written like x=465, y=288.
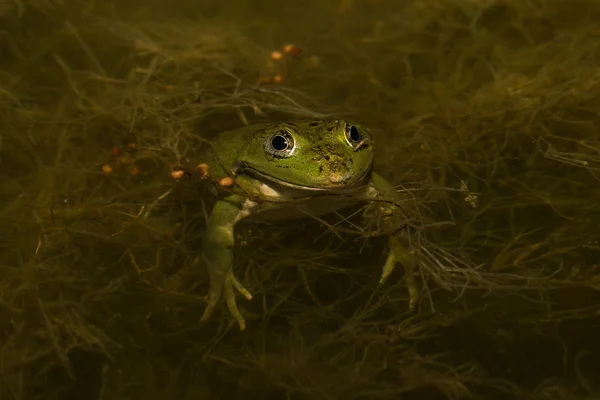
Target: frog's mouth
x=242, y=168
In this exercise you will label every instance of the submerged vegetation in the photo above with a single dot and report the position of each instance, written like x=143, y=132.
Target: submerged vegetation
x=486, y=113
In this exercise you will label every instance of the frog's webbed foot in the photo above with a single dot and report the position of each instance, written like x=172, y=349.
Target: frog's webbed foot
x=226, y=291
x=398, y=253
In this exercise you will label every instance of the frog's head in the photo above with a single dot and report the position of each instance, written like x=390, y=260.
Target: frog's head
x=310, y=155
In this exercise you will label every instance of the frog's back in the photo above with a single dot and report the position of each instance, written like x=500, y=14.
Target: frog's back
x=228, y=144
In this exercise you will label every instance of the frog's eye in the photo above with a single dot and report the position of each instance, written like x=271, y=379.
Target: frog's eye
x=354, y=137
x=280, y=144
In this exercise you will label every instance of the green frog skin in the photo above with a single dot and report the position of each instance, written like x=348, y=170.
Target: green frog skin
x=283, y=171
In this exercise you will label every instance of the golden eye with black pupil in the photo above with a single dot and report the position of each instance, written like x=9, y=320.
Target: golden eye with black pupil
x=281, y=144
x=353, y=136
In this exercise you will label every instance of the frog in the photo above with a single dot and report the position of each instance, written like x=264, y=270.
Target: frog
x=281, y=171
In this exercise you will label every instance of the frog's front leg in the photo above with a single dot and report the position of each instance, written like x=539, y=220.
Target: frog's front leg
x=218, y=250
x=398, y=252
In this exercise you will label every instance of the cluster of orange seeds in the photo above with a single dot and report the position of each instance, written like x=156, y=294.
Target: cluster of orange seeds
x=123, y=157
x=179, y=172
x=278, y=62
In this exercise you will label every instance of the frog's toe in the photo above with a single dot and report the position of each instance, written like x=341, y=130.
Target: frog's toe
x=240, y=288
x=413, y=290
x=229, y=295
x=211, y=303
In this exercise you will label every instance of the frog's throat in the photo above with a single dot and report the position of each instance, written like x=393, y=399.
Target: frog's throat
x=242, y=168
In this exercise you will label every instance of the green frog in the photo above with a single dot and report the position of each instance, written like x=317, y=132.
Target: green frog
x=286, y=170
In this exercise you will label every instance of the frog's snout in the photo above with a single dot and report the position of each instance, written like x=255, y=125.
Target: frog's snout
x=334, y=165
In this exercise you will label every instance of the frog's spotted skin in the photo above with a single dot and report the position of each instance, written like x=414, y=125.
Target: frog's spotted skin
x=304, y=162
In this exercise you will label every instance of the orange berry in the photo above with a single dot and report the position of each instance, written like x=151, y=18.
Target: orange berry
x=178, y=174
x=227, y=181
x=292, y=50
x=276, y=55
x=107, y=169
x=203, y=170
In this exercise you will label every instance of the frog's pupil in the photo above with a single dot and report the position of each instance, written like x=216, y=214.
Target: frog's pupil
x=354, y=134
x=279, y=143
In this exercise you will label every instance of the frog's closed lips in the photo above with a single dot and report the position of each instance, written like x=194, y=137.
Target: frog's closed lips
x=335, y=180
